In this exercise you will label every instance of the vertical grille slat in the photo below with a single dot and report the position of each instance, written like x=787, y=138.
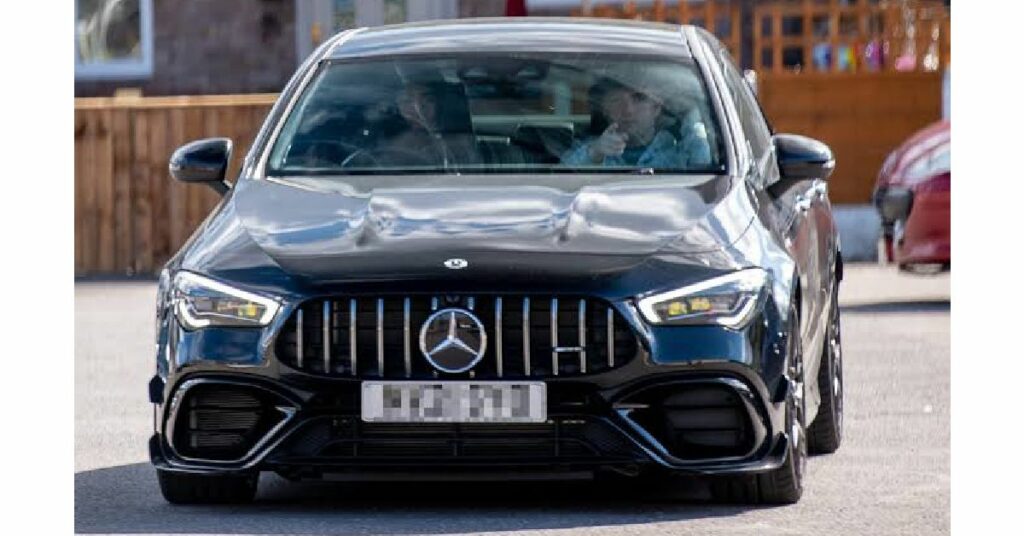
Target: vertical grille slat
x=582, y=328
x=353, y=353
x=554, y=336
x=526, y=335
x=406, y=334
x=327, y=336
x=298, y=337
x=498, y=343
x=610, y=319
x=386, y=327
x=380, y=337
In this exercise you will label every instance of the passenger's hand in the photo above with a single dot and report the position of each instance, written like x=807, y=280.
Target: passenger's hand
x=611, y=143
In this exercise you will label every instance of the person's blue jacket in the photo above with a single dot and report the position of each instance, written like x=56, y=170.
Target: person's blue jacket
x=692, y=151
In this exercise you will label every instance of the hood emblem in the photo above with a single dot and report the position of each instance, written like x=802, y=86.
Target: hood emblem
x=453, y=340
x=456, y=264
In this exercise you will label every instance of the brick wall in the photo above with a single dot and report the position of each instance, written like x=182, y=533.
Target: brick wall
x=214, y=46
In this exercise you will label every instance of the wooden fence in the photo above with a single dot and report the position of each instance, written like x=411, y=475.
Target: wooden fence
x=723, y=18
x=856, y=35
x=807, y=35
x=130, y=216
x=861, y=116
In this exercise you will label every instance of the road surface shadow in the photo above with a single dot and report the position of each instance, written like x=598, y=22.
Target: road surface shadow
x=899, y=307
x=126, y=499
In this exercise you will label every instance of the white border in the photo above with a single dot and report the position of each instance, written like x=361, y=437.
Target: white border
x=987, y=192
x=38, y=272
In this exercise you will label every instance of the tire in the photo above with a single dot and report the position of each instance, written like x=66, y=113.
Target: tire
x=187, y=488
x=785, y=484
x=826, y=432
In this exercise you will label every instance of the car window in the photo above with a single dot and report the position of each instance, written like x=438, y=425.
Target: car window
x=940, y=160
x=929, y=164
x=754, y=126
x=918, y=168
x=519, y=113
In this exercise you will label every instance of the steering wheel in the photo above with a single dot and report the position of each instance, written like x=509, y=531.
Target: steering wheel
x=387, y=155
x=316, y=153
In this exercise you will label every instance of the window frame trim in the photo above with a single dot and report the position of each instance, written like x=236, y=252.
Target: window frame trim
x=120, y=69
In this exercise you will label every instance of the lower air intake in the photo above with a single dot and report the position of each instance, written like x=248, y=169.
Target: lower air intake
x=223, y=421
x=696, y=421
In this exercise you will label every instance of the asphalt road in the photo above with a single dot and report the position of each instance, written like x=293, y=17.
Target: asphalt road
x=891, y=475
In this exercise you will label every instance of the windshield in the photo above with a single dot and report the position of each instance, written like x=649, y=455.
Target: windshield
x=526, y=113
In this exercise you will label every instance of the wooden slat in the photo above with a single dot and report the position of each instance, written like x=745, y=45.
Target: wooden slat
x=191, y=101
x=710, y=24
x=160, y=182
x=807, y=40
x=776, y=38
x=833, y=35
x=105, y=192
x=122, y=191
x=172, y=207
x=90, y=219
x=189, y=124
x=736, y=37
x=82, y=177
x=142, y=208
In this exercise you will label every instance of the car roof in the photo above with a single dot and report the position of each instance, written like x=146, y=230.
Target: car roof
x=921, y=143
x=526, y=34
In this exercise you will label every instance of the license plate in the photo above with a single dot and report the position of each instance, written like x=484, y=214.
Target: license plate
x=454, y=402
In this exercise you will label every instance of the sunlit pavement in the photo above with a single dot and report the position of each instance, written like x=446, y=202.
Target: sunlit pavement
x=891, y=475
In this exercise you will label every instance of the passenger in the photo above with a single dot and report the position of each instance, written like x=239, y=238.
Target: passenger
x=633, y=138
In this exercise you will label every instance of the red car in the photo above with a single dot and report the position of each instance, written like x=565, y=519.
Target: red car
x=912, y=197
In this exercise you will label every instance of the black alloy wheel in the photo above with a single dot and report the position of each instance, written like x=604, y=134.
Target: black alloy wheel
x=826, y=432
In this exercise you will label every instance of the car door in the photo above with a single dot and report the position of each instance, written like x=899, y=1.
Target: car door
x=793, y=210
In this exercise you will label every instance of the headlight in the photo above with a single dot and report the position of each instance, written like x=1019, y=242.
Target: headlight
x=201, y=302
x=727, y=300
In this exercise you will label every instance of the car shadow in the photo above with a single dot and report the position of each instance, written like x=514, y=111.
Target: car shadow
x=126, y=499
x=915, y=306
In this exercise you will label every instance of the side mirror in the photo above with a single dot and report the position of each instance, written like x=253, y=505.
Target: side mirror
x=203, y=162
x=750, y=76
x=802, y=158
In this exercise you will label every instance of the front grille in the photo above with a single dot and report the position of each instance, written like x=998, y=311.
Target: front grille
x=342, y=439
x=527, y=336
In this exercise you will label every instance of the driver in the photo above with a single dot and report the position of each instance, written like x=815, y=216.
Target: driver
x=425, y=141
x=632, y=137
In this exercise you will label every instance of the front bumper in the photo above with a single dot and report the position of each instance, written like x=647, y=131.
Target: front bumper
x=926, y=236
x=695, y=400
x=318, y=433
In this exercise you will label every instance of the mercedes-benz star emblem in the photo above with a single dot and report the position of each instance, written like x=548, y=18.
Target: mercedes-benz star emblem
x=456, y=264
x=453, y=340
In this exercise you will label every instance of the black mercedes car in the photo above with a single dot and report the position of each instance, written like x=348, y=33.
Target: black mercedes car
x=503, y=248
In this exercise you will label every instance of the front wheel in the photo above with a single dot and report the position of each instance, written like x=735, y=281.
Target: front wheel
x=187, y=488
x=826, y=432
x=785, y=484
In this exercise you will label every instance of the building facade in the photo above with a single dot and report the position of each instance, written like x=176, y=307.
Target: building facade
x=197, y=47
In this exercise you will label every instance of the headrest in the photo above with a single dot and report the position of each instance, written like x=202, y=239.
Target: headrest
x=452, y=107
